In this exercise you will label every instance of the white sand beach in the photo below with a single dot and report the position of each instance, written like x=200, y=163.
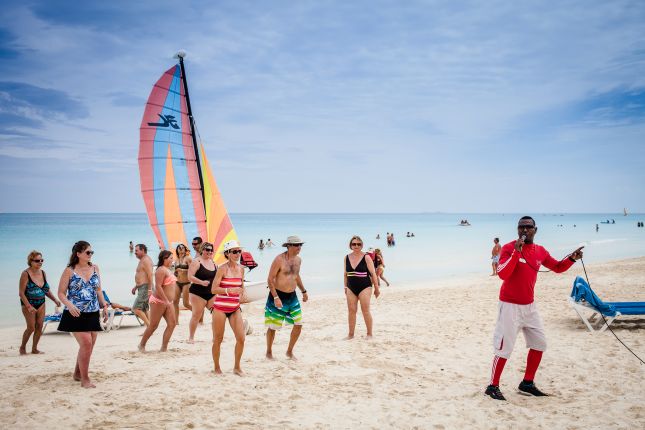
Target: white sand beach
x=427, y=367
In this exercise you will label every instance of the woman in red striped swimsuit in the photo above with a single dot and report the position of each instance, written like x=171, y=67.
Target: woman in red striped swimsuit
x=228, y=287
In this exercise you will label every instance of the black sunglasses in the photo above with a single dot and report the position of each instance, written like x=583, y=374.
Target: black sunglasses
x=528, y=227
x=236, y=251
x=208, y=249
x=89, y=252
x=357, y=244
x=195, y=243
x=295, y=245
x=38, y=261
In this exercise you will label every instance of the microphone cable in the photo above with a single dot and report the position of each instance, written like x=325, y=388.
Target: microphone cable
x=605, y=321
x=603, y=317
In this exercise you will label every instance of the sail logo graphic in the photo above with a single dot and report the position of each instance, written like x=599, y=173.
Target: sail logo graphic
x=168, y=121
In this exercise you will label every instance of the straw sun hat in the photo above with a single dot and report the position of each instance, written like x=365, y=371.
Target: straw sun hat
x=293, y=240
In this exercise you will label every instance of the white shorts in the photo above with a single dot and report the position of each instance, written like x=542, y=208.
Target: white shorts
x=511, y=319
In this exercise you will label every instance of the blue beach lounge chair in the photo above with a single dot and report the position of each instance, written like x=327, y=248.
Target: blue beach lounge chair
x=54, y=318
x=583, y=300
x=113, y=313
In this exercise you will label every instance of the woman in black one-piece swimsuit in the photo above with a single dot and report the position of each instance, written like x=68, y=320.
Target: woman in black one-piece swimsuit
x=201, y=273
x=360, y=277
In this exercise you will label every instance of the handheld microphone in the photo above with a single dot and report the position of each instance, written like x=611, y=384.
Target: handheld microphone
x=523, y=237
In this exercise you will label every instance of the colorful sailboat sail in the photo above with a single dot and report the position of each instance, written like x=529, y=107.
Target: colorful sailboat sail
x=178, y=187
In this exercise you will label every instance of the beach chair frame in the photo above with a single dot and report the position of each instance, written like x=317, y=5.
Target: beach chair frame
x=114, y=313
x=583, y=308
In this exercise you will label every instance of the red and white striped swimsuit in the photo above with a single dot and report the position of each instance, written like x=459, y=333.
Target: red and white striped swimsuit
x=231, y=303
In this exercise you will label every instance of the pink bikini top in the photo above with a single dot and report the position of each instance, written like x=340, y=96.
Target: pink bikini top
x=169, y=280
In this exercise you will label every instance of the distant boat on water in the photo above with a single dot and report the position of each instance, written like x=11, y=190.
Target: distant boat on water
x=625, y=211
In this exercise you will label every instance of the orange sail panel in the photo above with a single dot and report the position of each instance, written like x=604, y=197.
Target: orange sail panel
x=220, y=228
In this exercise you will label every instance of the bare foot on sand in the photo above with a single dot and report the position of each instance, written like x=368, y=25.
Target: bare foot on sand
x=369, y=337
x=141, y=348
x=23, y=351
x=35, y=351
x=77, y=377
x=87, y=384
x=290, y=356
x=349, y=337
x=190, y=341
x=238, y=372
x=163, y=349
x=269, y=356
x=217, y=371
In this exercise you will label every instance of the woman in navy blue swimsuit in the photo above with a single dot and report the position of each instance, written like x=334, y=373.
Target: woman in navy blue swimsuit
x=32, y=289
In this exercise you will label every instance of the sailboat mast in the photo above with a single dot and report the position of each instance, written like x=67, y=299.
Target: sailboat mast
x=192, y=127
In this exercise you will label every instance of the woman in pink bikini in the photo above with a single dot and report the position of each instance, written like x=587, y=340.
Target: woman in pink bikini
x=228, y=286
x=161, y=302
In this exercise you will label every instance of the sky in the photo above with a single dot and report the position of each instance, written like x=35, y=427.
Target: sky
x=332, y=106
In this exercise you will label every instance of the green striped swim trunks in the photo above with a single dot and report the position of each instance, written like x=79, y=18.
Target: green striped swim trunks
x=290, y=312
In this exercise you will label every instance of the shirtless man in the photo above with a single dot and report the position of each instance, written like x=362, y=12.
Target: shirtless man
x=495, y=255
x=282, y=304
x=143, y=280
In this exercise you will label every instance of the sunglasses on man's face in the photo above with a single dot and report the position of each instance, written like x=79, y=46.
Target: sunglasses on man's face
x=236, y=251
x=528, y=227
x=38, y=261
x=195, y=244
x=357, y=244
x=295, y=245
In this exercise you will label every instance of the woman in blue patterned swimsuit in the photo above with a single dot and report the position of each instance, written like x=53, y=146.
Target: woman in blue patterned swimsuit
x=80, y=290
x=32, y=289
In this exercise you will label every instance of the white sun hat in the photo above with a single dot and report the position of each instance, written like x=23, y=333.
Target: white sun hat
x=230, y=245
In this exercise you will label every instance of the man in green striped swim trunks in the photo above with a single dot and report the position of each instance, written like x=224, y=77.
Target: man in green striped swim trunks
x=282, y=304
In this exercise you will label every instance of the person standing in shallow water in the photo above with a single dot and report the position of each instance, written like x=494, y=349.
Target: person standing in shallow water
x=519, y=263
x=282, y=304
x=32, y=290
x=80, y=291
x=359, y=278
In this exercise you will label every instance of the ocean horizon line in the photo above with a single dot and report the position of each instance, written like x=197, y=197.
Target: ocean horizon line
x=347, y=213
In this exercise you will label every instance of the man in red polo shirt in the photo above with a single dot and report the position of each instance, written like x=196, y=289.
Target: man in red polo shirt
x=519, y=263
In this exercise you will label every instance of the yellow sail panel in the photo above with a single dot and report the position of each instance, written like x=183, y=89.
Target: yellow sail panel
x=174, y=223
x=219, y=226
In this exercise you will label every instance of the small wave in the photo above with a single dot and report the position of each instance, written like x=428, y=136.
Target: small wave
x=594, y=242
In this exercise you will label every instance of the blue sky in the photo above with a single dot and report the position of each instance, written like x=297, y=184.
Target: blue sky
x=331, y=106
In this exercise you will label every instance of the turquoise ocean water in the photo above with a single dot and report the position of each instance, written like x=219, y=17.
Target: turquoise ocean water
x=440, y=249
